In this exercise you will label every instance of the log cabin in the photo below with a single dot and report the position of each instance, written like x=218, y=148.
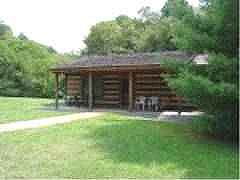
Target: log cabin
x=118, y=80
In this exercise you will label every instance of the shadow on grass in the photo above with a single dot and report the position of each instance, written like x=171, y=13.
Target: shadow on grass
x=168, y=146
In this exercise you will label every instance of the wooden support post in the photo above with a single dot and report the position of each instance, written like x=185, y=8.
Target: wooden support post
x=90, y=93
x=130, y=91
x=57, y=89
x=65, y=85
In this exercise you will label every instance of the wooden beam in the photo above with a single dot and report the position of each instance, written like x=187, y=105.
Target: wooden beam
x=90, y=91
x=56, y=90
x=66, y=85
x=122, y=68
x=130, y=91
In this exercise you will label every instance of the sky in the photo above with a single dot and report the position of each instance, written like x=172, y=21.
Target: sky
x=64, y=24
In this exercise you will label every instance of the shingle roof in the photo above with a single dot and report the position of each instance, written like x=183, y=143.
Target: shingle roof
x=126, y=60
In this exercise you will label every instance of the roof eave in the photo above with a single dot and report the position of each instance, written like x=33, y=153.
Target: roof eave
x=109, y=68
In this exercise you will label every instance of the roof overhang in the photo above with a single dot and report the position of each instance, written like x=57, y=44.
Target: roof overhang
x=122, y=68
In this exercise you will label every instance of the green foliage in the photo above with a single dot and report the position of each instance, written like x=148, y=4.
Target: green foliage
x=188, y=39
x=179, y=9
x=22, y=36
x=5, y=31
x=214, y=89
x=147, y=16
x=102, y=38
x=126, y=35
x=24, y=68
x=221, y=69
x=118, y=36
x=213, y=28
x=221, y=16
x=157, y=37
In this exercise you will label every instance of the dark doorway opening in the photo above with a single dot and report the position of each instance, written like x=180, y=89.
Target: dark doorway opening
x=124, y=92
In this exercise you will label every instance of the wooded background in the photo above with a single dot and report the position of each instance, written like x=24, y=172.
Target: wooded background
x=211, y=28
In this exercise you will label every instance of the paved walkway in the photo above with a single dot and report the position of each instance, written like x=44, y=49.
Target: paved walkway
x=83, y=114
x=37, y=123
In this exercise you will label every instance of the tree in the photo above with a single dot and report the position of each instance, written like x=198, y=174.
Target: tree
x=104, y=38
x=213, y=88
x=24, y=66
x=130, y=33
x=223, y=19
x=5, y=31
x=213, y=28
x=179, y=9
x=118, y=36
x=22, y=36
x=148, y=16
x=157, y=36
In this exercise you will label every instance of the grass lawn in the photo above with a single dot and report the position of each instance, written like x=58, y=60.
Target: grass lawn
x=114, y=146
x=14, y=109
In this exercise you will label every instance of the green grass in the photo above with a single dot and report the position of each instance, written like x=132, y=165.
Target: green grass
x=14, y=109
x=114, y=146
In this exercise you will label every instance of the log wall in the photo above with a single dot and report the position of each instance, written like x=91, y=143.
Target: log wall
x=144, y=84
x=73, y=85
x=112, y=88
x=153, y=84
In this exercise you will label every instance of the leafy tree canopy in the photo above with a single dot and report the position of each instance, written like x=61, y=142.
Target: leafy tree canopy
x=5, y=31
x=24, y=66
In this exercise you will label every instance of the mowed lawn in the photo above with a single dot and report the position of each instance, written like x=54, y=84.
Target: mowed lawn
x=14, y=109
x=114, y=146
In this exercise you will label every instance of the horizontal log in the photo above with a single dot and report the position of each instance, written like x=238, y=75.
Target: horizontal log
x=73, y=86
x=111, y=87
x=111, y=97
x=153, y=87
x=151, y=93
x=73, y=77
x=149, y=79
x=147, y=75
x=111, y=76
x=170, y=99
x=146, y=81
x=74, y=82
x=111, y=81
x=73, y=91
x=107, y=102
x=72, y=94
x=111, y=92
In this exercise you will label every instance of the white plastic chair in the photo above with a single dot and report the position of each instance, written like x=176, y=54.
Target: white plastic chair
x=140, y=102
x=154, y=103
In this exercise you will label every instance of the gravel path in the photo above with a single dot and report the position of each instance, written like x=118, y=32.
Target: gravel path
x=37, y=123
